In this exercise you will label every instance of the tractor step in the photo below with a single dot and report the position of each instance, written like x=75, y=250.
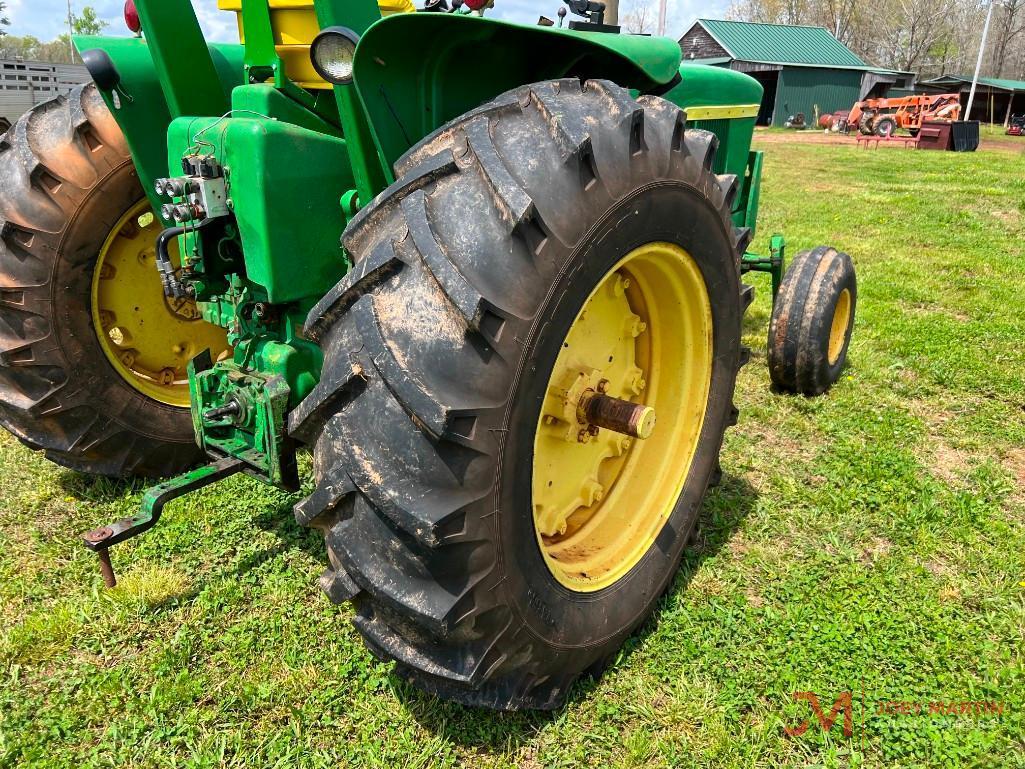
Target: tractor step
x=100, y=540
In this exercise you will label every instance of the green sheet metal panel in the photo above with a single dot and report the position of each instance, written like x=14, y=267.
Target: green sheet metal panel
x=141, y=108
x=284, y=184
x=781, y=43
x=701, y=88
x=801, y=88
x=997, y=82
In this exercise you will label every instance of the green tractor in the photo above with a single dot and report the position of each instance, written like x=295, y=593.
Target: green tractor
x=488, y=274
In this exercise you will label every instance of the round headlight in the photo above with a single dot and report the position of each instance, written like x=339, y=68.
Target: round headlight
x=332, y=51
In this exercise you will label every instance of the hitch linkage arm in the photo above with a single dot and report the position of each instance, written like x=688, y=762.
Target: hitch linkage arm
x=101, y=539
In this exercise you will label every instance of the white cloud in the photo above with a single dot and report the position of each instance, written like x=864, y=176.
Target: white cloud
x=217, y=24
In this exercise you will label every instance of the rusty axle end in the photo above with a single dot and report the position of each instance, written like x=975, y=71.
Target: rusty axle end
x=618, y=415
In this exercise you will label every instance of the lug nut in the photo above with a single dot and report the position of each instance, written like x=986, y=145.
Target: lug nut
x=593, y=491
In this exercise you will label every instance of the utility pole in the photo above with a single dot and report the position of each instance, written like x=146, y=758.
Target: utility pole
x=978, y=62
x=661, y=17
x=71, y=32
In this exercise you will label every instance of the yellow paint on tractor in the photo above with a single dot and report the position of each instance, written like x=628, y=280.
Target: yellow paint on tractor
x=295, y=25
x=601, y=498
x=722, y=112
x=838, y=329
x=147, y=338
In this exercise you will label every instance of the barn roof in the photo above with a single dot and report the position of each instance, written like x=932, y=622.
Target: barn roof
x=782, y=44
x=1014, y=86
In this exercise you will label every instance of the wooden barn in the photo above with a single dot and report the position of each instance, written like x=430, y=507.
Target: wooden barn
x=800, y=67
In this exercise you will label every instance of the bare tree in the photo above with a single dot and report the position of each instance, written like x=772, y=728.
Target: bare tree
x=1008, y=27
x=909, y=30
x=770, y=11
x=840, y=17
x=640, y=17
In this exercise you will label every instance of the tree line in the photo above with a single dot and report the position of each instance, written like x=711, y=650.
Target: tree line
x=58, y=50
x=928, y=37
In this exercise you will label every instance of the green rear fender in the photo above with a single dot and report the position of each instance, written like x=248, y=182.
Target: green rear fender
x=140, y=106
x=415, y=72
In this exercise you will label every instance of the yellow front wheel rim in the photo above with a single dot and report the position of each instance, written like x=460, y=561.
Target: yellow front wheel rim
x=838, y=329
x=600, y=498
x=147, y=338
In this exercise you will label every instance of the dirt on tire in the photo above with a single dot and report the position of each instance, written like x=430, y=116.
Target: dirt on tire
x=438, y=348
x=66, y=178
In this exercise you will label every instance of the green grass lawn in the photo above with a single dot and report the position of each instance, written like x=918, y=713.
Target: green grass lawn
x=870, y=541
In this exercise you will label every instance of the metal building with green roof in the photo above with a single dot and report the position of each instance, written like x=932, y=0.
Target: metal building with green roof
x=996, y=99
x=799, y=67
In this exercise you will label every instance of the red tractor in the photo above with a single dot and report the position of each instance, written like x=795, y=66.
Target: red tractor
x=883, y=117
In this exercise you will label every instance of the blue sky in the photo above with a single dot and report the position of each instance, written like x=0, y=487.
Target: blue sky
x=46, y=18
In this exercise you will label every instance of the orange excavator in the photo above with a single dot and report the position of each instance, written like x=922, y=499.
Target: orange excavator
x=883, y=117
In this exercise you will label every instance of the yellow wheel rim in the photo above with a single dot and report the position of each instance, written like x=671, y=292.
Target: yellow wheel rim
x=147, y=338
x=600, y=498
x=838, y=329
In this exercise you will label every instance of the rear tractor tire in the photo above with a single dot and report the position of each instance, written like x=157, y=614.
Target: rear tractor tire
x=559, y=254
x=812, y=321
x=92, y=357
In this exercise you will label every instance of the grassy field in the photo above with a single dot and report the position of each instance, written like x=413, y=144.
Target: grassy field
x=871, y=541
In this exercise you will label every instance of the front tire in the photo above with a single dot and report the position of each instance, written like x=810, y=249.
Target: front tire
x=472, y=275
x=812, y=321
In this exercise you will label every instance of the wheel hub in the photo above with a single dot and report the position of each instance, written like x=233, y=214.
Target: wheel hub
x=148, y=339
x=605, y=477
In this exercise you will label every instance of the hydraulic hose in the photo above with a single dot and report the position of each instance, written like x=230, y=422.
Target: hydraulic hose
x=172, y=287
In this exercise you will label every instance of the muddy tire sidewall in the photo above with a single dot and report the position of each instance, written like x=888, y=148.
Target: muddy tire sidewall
x=71, y=287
